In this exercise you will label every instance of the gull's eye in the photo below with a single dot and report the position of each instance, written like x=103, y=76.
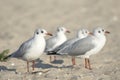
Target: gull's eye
x=42, y=31
x=86, y=32
x=103, y=30
x=99, y=31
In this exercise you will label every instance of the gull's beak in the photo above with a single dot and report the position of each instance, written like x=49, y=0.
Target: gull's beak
x=67, y=31
x=90, y=33
x=107, y=32
x=49, y=34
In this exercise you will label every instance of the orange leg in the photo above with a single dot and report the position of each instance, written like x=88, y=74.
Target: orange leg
x=50, y=58
x=54, y=58
x=89, y=66
x=27, y=66
x=73, y=61
x=33, y=66
x=86, y=63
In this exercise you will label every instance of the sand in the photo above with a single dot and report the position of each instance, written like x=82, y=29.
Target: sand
x=19, y=19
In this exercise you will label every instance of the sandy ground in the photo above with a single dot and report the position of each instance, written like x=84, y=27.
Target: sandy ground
x=19, y=19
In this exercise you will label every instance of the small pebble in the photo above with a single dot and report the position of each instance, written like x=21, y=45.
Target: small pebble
x=12, y=64
x=40, y=73
x=59, y=69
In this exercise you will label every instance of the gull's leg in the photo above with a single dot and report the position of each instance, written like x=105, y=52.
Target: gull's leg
x=89, y=66
x=54, y=57
x=86, y=63
x=73, y=60
x=33, y=66
x=50, y=58
x=27, y=66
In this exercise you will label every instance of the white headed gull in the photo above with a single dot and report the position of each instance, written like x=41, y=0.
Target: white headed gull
x=82, y=33
x=56, y=40
x=31, y=49
x=87, y=46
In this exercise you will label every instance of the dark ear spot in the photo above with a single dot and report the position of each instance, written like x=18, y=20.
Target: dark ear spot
x=42, y=32
x=37, y=33
x=99, y=31
x=103, y=30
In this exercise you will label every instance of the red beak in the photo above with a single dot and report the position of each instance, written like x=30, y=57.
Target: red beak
x=49, y=34
x=67, y=31
x=90, y=33
x=107, y=32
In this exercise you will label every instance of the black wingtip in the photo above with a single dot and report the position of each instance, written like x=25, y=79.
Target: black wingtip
x=52, y=53
x=8, y=56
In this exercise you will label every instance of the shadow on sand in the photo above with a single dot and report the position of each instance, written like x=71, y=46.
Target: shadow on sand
x=57, y=62
x=3, y=68
x=40, y=64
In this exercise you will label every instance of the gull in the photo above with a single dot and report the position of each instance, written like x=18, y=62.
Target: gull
x=56, y=40
x=82, y=33
x=87, y=46
x=33, y=48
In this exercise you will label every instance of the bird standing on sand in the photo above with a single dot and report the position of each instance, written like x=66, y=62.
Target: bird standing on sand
x=82, y=33
x=31, y=49
x=56, y=40
x=87, y=46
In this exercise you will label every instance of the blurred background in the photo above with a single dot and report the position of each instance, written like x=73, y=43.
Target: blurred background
x=19, y=19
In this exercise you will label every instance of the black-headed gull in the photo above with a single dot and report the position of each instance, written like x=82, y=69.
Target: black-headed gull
x=31, y=49
x=82, y=33
x=56, y=40
x=87, y=46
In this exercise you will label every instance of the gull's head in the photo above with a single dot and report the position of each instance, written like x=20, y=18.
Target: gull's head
x=41, y=32
x=100, y=31
x=62, y=29
x=82, y=33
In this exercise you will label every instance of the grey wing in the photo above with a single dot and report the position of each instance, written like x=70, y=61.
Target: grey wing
x=79, y=47
x=23, y=49
x=50, y=43
x=65, y=44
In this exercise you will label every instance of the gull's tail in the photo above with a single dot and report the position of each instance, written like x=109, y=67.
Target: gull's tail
x=11, y=55
x=7, y=57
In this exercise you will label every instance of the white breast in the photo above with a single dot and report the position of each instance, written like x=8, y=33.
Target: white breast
x=55, y=41
x=37, y=48
x=99, y=44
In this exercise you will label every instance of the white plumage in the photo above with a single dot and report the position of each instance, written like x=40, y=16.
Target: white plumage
x=82, y=33
x=31, y=49
x=87, y=46
x=56, y=40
